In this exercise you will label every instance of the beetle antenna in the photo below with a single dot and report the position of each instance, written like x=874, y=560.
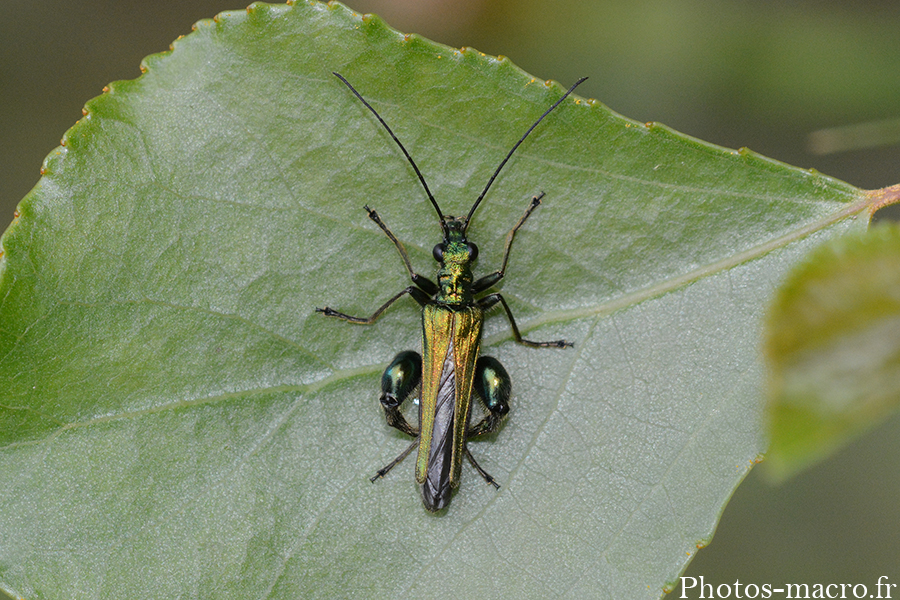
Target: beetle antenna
x=514, y=148
x=394, y=137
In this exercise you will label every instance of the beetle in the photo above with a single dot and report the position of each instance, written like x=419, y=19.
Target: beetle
x=450, y=369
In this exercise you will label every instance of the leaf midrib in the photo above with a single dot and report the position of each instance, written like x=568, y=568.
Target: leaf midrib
x=604, y=308
x=669, y=285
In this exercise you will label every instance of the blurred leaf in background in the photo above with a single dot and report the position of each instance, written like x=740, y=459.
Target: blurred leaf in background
x=833, y=348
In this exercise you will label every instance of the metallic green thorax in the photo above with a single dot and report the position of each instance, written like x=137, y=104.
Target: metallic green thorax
x=455, y=274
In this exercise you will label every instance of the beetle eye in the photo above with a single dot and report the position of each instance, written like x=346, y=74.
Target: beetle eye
x=473, y=251
x=438, y=252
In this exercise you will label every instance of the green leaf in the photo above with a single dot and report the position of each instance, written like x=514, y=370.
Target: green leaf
x=834, y=348
x=177, y=421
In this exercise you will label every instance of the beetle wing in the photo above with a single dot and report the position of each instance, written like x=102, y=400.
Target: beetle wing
x=466, y=346
x=447, y=331
x=437, y=328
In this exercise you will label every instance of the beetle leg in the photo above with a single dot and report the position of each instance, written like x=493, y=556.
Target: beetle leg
x=489, y=280
x=418, y=295
x=492, y=385
x=484, y=474
x=492, y=299
x=424, y=283
x=384, y=470
x=399, y=381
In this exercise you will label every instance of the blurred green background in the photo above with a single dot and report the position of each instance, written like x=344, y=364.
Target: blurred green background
x=792, y=80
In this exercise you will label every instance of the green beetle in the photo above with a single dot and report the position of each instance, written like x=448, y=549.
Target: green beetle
x=450, y=368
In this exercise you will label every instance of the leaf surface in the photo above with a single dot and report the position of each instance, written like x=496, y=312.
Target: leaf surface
x=177, y=421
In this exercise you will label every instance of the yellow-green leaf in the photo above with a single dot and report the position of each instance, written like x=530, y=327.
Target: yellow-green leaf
x=833, y=344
